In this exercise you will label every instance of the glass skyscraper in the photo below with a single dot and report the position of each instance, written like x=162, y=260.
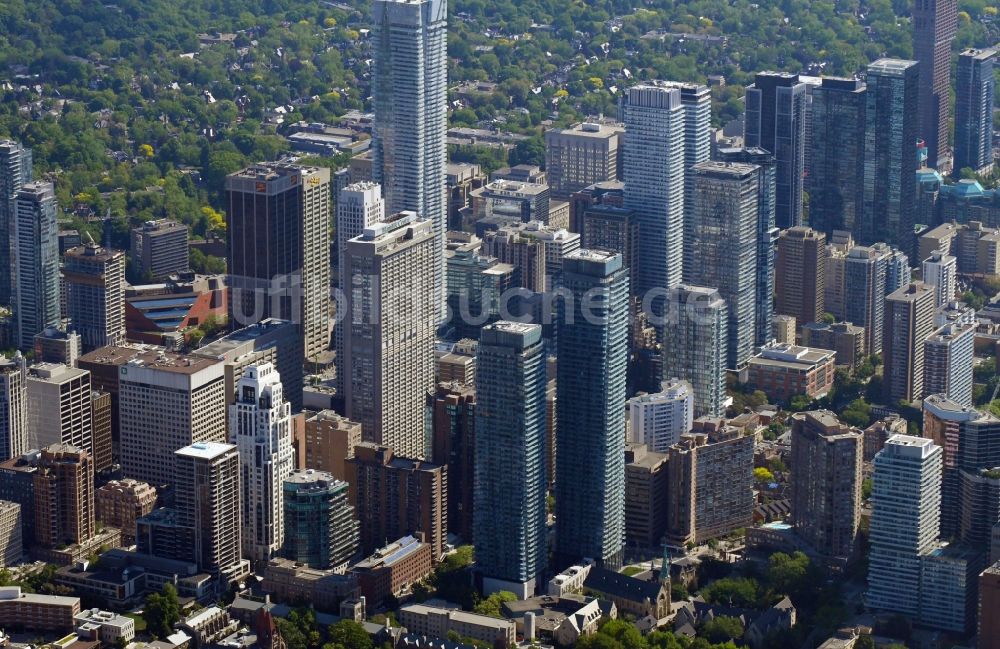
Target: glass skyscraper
x=694, y=345
x=15, y=171
x=974, y=91
x=35, y=242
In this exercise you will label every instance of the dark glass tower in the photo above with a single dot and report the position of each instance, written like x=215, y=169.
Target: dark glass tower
x=974, y=110
x=934, y=25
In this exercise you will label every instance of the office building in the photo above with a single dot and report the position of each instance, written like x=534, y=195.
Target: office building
x=590, y=429
x=783, y=371
x=100, y=430
x=581, y=155
x=974, y=93
x=394, y=496
x=59, y=407
x=120, y=502
x=695, y=344
x=462, y=178
x=940, y=270
x=452, y=412
x=658, y=420
x=948, y=362
x=837, y=156
x=776, y=122
x=724, y=241
x=891, y=119
x=180, y=397
x=278, y=224
x=800, y=274
x=320, y=529
x=511, y=201
x=329, y=442
x=13, y=406
x=159, y=248
x=15, y=171
x=710, y=489
x=56, y=345
x=843, y=338
x=909, y=320
x=906, y=501
x=389, y=334
x=934, y=25
x=645, y=496
x=64, y=497
x=95, y=294
x=260, y=427
x=826, y=482
x=11, y=541
x=410, y=97
x=35, y=267
x=654, y=188
x=510, y=480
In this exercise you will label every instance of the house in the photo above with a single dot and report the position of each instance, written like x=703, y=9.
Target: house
x=758, y=624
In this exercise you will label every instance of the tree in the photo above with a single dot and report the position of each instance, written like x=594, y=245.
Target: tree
x=799, y=402
x=762, y=475
x=678, y=592
x=734, y=591
x=162, y=611
x=348, y=634
x=722, y=628
x=492, y=605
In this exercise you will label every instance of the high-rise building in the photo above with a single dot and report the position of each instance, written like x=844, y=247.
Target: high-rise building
x=329, y=442
x=974, y=92
x=989, y=603
x=826, y=482
x=800, y=274
x=940, y=270
x=35, y=266
x=390, y=323
x=452, y=411
x=948, y=362
x=320, y=529
x=909, y=320
x=645, y=496
x=581, y=155
x=15, y=171
x=837, y=170
x=694, y=347
x=410, y=99
x=278, y=224
x=56, y=345
x=159, y=248
x=100, y=430
x=658, y=420
x=394, y=496
x=724, y=241
x=906, y=501
x=167, y=401
x=838, y=246
x=476, y=283
x=11, y=540
x=64, y=496
x=95, y=293
x=607, y=227
x=120, y=502
x=654, y=185
x=590, y=433
x=260, y=427
x=13, y=406
x=510, y=458
x=776, y=122
x=864, y=293
x=934, y=25
x=59, y=407
x=890, y=153
x=696, y=100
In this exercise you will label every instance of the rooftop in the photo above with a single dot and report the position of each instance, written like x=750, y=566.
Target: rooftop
x=205, y=450
x=173, y=362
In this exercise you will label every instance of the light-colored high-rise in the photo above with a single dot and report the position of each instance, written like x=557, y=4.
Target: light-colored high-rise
x=261, y=427
x=940, y=270
x=59, y=407
x=909, y=320
x=949, y=354
x=654, y=183
x=696, y=100
x=35, y=264
x=694, y=347
x=581, y=155
x=410, y=98
x=658, y=420
x=389, y=328
x=13, y=406
x=15, y=170
x=800, y=274
x=95, y=293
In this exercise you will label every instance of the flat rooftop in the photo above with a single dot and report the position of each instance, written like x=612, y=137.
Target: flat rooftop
x=205, y=450
x=171, y=362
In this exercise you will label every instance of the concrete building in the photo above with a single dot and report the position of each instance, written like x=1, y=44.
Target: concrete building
x=694, y=349
x=783, y=327
x=288, y=581
x=607, y=227
x=35, y=266
x=826, y=483
x=510, y=481
x=159, y=249
x=974, y=93
x=452, y=410
x=260, y=427
x=111, y=628
x=17, y=484
x=180, y=397
x=393, y=569
x=395, y=301
x=934, y=27
x=11, y=540
x=329, y=442
x=839, y=245
x=511, y=201
x=940, y=270
x=279, y=249
x=462, y=178
x=645, y=496
x=948, y=362
x=909, y=320
x=434, y=622
x=476, y=283
x=866, y=283
x=320, y=528
x=59, y=406
x=95, y=294
x=843, y=338
x=394, y=496
x=37, y=612
x=56, y=345
x=120, y=502
x=800, y=274
x=16, y=167
x=64, y=497
x=13, y=405
x=581, y=155
x=783, y=371
x=658, y=420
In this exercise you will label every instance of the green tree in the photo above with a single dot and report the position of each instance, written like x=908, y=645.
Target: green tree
x=492, y=605
x=733, y=591
x=348, y=634
x=799, y=402
x=722, y=628
x=162, y=611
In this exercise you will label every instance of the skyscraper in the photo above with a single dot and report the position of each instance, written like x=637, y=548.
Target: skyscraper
x=320, y=528
x=95, y=293
x=724, y=241
x=800, y=274
x=974, y=91
x=160, y=248
x=452, y=410
x=940, y=270
x=510, y=458
x=15, y=171
x=694, y=347
x=948, y=362
x=389, y=326
x=13, y=406
x=890, y=152
x=934, y=26
x=776, y=122
x=909, y=319
x=410, y=98
x=59, y=407
x=658, y=420
x=64, y=496
x=261, y=428
x=837, y=170
x=35, y=246
x=654, y=183
x=279, y=249
x=864, y=293
x=590, y=432
x=580, y=156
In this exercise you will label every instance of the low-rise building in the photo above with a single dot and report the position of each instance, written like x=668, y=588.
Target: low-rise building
x=393, y=569
x=110, y=627
x=11, y=541
x=438, y=622
x=31, y=611
x=569, y=580
x=632, y=596
x=208, y=626
x=559, y=620
x=291, y=582
x=783, y=371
